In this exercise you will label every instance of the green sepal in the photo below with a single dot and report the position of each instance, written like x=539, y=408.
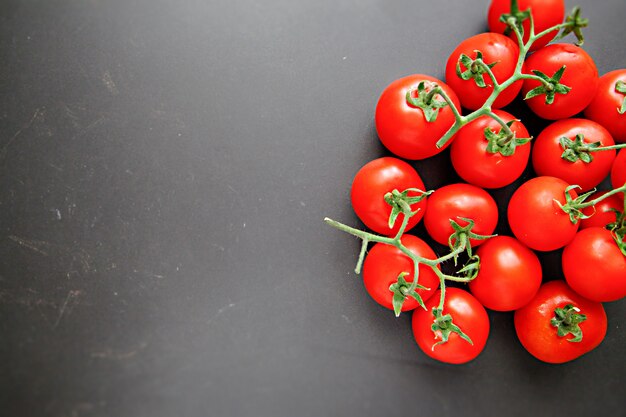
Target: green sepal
x=426, y=101
x=518, y=17
x=454, y=240
x=474, y=70
x=401, y=290
x=471, y=268
x=577, y=149
x=620, y=87
x=567, y=320
x=442, y=327
x=551, y=87
x=400, y=202
x=618, y=229
x=503, y=143
x=577, y=23
x=571, y=206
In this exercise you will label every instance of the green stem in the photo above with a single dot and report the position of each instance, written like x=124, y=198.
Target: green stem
x=595, y=201
x=509, y=133
x=605, y=148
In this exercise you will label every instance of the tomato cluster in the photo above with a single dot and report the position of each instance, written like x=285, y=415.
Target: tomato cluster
x=418, y=116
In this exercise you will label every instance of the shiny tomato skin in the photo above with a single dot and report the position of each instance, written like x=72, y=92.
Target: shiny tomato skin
x=602, y=214
x=581, y=75
x=475, y=165
x=384, y=263
x=536, y=219
x=467, y=313
x=606, y=103
x=509, y=276
x=539, y=337
x=618, y=170
x=546, y=155
x=460, y=200
x=373, y=181
x=403, y=129
x=594, y=266
x=495, y=48
x=546, y=13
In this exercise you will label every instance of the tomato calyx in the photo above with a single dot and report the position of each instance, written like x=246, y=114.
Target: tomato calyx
x=442, y=327
x=402, y=289
x=475, y=68
x=401, y=202
x=567, y=320
x=550, y=86
x=425, y=99
x=503, y=142
x=574, y=25
x=459, y=240
x=514, y=18
x=577, y=149
x=618, y=229
x=620, y=87
x=574, y=206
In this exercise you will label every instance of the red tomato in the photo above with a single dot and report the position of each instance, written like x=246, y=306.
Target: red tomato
x=546, y=13
x=580, y=74
x=496, y=49
x=547, y=152
x=373, y=181
x=509, y=275
x=618, y=171
x=384, y=263
x=536, y=219
x=539, y=336
x=607, y=103
x=460, y=200
x=467, y=313
x=594, y=266
x=488, y=170
x=601, y=214
x=403, y=128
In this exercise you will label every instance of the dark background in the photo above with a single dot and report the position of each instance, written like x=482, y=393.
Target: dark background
x=165, y=167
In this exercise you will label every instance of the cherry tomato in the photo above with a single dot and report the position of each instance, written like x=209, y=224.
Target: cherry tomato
x=467, y=313
x=533, y=324
x=496, y=49
x=594, y=266
x=403, y=128
x=509, y=275
x=535, y=217
x=546, y=13
x=602, y=213
x=373, y=181
x=460, y=200
x=547, y=151
x=384, y=263
x=618, y=171
x=607, y=103
x=488, y=170
x=580, y=74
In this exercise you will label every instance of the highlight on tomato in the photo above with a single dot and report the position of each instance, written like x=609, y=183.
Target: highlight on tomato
x=608, y=106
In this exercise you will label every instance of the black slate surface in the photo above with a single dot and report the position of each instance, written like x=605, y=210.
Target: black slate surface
x=165, y=167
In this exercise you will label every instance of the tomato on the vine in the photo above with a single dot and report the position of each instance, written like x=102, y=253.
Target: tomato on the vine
x=467, y=313
x=603, y=212
x=618, y=170
x=373, y=181
x=556, y=307
x=476, y=165
x=509, y=275
x=403, y=127
x=562, y=150
x=536, y=218
x=384, y=263
x=607, y=106
x=455, y=201
x=567, y=66
x=594, y=266
x=496, y=50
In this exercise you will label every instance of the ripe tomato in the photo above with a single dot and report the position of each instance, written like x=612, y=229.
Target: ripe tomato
x=373, y=181
x=496, y=49
x=460, y=200
x=618, y=171
x=607, y=103
x=509, y=275
x=384, y=263
x=533, y=324
x=467, y=313
x=580, y=74
x=403, y=128
x=535, y=217
x=546, y=13
x=601, y=214
x=547, y=151
x=488, y=170
x=594, y=266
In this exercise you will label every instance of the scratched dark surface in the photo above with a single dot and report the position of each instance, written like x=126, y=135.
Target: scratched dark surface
x=165, y=167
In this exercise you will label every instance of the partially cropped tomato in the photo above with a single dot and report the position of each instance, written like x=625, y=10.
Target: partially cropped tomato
x=594, y=266
x=476, y=165
x=384, y=263
x=607, y=106
x=455, y=201
x=618, y=171
x=403, y=127
x=467, y=313
x=373, y=181
x=559, y=151
x=546, y=13
x=602, y=213
x=535, y=217
x=509, y=275
x=579, y=75
x=556, y=307
x=497, y=51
